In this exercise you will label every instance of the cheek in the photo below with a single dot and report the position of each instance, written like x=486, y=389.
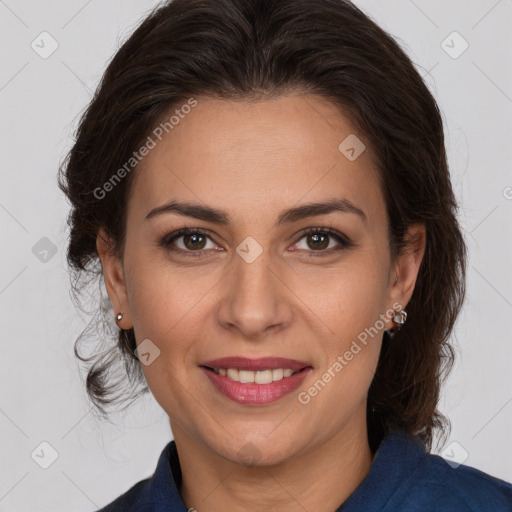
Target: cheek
x=169, y=309
x=349, y=342
x=345, y=306
x=162, y=296
x=349, y=296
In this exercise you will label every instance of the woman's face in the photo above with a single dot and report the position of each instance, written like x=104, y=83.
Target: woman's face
x=251, y=284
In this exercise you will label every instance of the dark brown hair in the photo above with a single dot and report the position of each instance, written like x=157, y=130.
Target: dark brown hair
x=258, y=49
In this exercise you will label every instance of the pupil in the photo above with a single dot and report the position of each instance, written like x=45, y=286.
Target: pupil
x=194, y=242
x=316, y=238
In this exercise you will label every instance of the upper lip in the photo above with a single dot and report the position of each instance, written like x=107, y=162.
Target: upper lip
x=263, y=363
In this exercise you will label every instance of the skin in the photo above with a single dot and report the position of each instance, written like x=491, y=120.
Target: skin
x=254, y=160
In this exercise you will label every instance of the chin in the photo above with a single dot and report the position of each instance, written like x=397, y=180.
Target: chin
x=253, y=451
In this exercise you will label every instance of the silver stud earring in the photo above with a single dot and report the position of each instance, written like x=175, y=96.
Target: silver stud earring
x=119, y=317
x=400, y=317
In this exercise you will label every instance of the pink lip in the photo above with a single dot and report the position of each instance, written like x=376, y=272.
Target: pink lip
x=251, y=393
x=263, y=363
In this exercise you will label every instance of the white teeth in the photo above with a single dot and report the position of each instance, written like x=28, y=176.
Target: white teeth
x=232, y=373
x=245, y=376
x=263, y=377
x=277, y=374
x=259, y=377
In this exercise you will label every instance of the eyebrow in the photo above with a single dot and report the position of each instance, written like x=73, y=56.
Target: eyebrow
x=289, y=216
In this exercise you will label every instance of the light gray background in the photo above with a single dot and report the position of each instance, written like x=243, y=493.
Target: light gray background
x=41, y=394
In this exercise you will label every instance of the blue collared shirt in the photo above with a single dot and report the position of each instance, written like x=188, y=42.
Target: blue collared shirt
x=402, y=478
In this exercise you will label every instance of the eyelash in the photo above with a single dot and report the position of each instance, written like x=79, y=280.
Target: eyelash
x=345, y=243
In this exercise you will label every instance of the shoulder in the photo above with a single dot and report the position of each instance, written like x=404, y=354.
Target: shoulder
x=457, y=488
x=136, y=498
x=157, y=493
x=406, y=478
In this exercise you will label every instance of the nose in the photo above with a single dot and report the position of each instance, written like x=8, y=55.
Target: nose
x=255, y=301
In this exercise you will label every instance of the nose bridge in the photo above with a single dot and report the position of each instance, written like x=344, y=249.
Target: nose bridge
x=254, y=278
x=254, y=301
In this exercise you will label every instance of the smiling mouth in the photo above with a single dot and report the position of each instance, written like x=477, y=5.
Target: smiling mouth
x=266, y=376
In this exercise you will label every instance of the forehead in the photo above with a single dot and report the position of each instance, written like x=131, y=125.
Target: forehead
x=241, y=155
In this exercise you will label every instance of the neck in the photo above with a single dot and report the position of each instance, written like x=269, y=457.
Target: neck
x=321, y=477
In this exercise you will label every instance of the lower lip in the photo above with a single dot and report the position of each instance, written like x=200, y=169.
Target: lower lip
x=251, y=393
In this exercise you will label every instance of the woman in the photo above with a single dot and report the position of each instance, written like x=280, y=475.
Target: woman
x=265, y=185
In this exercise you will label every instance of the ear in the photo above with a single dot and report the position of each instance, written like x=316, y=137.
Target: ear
x=114, y=275
x=406, y=267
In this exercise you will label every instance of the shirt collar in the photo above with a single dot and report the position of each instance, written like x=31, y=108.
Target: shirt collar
x=398, y=454
x=396, y=457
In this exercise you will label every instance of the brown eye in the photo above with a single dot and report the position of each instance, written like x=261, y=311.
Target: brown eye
x=194, y=241
x=187, y=241
x=318, y=241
